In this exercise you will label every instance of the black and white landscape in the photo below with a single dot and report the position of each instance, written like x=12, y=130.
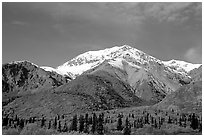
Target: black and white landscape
x=115, y=90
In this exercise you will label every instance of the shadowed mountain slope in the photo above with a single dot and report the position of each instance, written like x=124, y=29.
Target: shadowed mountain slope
x=100, y=91
x=196, y=74
x=151, y=84
x=20, y=78
x=186, y=98
x=117, y=77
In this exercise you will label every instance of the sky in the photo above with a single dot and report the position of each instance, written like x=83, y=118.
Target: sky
x=49, y=34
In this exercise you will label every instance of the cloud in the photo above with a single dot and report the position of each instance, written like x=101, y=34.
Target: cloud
x=194, y=55
x=120, y=12
x=166, y=11
x=162, y=12
x=158, y=28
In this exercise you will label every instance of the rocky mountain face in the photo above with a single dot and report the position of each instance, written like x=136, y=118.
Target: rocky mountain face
x=98, y=80
x=150, y=78
x=146, y=84
x=91, y=92
x=181, y=66
x=187, y=98
x=196, y=74
x=91, y=59
x=20, y=78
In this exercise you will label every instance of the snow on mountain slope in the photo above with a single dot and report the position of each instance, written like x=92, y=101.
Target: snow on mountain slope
x=176, y=70
x=50, y=69
x=167, y=73
x=87, y=61
x=76, y=70
x=181, y=65
x=150, y=78
x=92, y=59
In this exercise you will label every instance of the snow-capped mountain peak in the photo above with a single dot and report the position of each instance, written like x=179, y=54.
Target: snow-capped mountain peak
x=114, y=56
x=91, y=59
x=46, y=68
x=181, y=65
x=89, y=56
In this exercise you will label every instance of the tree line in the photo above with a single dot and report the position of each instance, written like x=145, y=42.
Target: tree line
x=94, y=124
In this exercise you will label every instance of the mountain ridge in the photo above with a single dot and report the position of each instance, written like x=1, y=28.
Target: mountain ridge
x=118, y=77
x=23, y=77
x=88, y=56
x=91, y=59
x=131, y=66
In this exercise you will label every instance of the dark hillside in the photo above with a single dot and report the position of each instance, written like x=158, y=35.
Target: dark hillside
x=187, y=98
x=24, y=78
x=85, y=93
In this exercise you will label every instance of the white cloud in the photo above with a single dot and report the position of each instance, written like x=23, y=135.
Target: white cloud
x=124, y=12
x=194, y=55
x=178, y=12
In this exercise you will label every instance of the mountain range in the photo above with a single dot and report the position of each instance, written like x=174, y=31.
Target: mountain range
x=117, y=77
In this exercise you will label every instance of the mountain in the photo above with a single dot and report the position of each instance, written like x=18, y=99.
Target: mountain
x=100, y=91
x=196, y=74
x=91, y=59
x=187, y=98
x=23, y=77
x=103, y=90
x=116, y=77
x=181, y=66
x=150, y=78
x=50, y=69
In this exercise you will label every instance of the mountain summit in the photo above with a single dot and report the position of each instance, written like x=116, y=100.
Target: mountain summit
x=91, y=59
x=149, y=77
x=116, y=77
x=115, y=55
x=181, y=65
